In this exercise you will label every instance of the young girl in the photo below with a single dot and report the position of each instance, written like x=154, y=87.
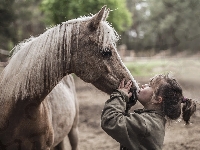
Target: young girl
x=145, y=128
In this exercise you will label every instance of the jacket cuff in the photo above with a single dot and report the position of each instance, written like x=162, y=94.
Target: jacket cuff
x=118, y=93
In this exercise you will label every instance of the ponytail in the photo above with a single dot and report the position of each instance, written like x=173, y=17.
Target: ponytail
x=171, y=92
x=188, y=109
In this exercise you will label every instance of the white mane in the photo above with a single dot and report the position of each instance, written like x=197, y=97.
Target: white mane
x=106, y=29
x=37, y=63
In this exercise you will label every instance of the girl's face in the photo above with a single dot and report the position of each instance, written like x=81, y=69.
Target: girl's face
x=147, y=91
x=145, y=94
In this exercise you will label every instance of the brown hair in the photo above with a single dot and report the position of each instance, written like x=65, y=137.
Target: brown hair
x=171, y=92
x=189, y=107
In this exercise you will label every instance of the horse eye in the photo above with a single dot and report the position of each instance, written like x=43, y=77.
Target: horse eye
x=106, y=52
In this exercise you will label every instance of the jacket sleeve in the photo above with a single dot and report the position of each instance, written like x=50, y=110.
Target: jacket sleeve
x=123, y=128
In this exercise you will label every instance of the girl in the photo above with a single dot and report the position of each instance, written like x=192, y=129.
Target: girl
x=145, y=128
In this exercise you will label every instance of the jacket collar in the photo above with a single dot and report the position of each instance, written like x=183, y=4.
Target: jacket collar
x=159, y=112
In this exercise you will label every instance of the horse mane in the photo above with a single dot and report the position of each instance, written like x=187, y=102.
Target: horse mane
x=112, y=35
x=33, y=67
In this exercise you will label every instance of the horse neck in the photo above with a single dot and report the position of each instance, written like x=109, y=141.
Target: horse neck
x=40, y=64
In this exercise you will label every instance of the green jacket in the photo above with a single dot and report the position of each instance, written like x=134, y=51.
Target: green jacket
x=140, y=130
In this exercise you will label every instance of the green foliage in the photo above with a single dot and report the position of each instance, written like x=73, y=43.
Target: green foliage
x=165, y=24
x=143, y=24
x=63, y=10
x=144, y=68
x=6, y=24
x=20, y=19
x=182, y=68
x=29, y=19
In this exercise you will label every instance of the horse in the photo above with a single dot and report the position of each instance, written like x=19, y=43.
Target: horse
x=85, y=46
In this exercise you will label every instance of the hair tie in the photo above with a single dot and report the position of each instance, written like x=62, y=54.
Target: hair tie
x=184, y=100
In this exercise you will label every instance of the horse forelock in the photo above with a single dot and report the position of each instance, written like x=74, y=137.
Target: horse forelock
x=108, y=35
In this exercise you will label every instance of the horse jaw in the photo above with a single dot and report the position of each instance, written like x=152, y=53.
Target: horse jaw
x=110, y=80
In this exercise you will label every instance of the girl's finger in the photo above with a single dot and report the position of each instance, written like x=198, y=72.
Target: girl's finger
x=130, y=94
x=128, y=84
x=121, y=85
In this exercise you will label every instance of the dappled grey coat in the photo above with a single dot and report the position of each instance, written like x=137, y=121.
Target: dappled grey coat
x=141, y=130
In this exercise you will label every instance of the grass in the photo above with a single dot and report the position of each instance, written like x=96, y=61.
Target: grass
x=146, y=67
x=150, y=67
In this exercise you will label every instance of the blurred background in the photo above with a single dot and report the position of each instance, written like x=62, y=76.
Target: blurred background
x=156, y=36
x=144, y=25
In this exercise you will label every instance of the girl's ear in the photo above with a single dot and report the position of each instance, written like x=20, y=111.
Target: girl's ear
x=159, y=99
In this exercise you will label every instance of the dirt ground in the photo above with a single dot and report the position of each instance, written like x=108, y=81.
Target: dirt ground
x=92, y=137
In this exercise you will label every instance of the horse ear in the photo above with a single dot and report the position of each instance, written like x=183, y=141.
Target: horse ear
x=97, y=18
x=106, y=14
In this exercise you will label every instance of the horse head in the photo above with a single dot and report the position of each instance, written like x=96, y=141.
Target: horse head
x=94, y=56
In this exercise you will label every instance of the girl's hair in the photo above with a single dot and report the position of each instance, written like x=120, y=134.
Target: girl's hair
x=189, y=107
x=171, y=93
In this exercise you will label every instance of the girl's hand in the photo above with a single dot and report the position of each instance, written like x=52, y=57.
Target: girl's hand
x=125, y=88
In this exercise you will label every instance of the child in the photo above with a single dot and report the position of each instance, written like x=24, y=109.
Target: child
x=145, y=128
